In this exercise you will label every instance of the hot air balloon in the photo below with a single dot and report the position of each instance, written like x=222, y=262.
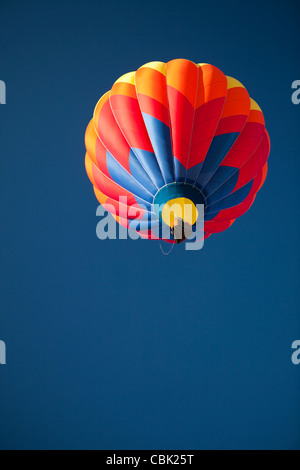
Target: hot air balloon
x=177, y=134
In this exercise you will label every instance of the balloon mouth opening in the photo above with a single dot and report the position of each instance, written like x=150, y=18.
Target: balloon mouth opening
x=177, y=206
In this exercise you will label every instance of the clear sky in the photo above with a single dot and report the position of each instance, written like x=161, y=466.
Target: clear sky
x=111, y=345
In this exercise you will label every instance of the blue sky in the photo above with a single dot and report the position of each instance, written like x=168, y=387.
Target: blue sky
x=111, y=345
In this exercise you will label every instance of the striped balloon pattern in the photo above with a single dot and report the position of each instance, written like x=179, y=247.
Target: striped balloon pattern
x=176, y=130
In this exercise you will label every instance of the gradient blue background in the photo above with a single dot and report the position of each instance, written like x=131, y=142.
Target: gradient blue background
x=111, y=345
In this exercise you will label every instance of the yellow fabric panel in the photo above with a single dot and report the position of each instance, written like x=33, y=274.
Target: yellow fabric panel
x=127, y=78
x=255, y=106
x=180, y=208
x=233, y=83
x=90, y=142
x=159, y=66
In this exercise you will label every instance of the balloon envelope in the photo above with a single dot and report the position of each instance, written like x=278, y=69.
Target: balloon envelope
x=173, y=135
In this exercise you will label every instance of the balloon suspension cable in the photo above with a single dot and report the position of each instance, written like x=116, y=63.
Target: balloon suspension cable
x=166, y=253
